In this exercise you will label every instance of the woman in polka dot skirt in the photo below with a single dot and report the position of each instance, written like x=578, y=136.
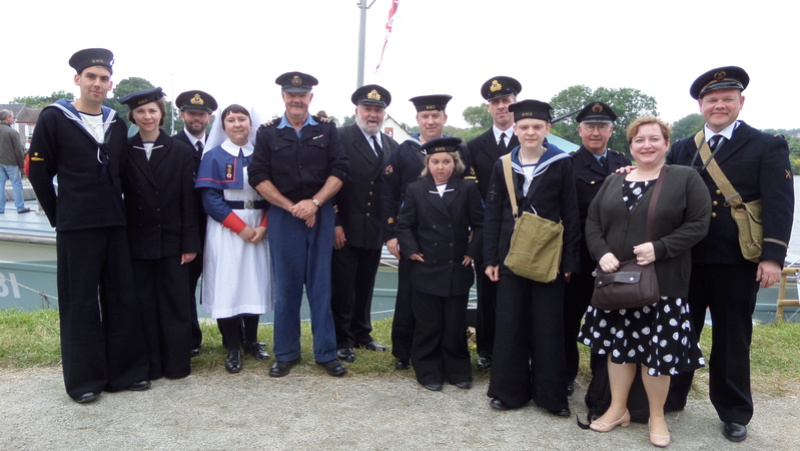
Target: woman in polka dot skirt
x=658, y=337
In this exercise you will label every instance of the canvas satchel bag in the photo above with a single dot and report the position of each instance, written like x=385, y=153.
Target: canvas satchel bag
x=536, y=243
x=631, y=285
x=747, y=215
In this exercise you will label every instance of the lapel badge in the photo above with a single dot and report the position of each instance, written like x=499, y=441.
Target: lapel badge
x=390, y=221
x=389, y=169
x=229, y=171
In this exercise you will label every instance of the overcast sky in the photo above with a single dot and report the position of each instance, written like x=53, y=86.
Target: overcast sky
x=235, y=49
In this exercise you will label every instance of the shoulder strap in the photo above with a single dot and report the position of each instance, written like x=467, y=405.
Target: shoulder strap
x=653, y=201
x=730, y=193
x=508, y=172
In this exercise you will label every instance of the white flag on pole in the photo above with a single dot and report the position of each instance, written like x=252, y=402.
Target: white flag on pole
x=388, y=30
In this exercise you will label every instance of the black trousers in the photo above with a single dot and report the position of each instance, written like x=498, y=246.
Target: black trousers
x=102, y=344
x=195, y=270
x=577, y=297
x=239, y=329
x=440, y=343
x=528, y=359
x=353, y=271
x=487, y=306
x=729, y=292
x=162, y=286
x=403, y=322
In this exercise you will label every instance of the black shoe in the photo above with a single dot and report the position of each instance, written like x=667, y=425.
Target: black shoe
x=87, y=397
x=24, y=210
x=560, y=412
x=334, y=367
x=466, y=385
x=570, y=388
x=194, y=352
x=497, y=404
x=401, y=364
x=280, y=369
x=372, y=346
x=484, y=363
x=433, y=387
x=139, y=386
x=256, y=350
x=233, y=363
x=346, y=355
x=735, y=432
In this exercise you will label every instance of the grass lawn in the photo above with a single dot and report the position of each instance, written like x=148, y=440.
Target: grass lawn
x=31, y=339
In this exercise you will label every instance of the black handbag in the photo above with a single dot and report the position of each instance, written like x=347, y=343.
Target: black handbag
x=631, y=285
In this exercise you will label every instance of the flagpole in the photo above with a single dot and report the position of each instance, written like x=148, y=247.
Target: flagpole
x=362, y=34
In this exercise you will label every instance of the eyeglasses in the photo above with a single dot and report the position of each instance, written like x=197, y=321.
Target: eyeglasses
x=596, y=127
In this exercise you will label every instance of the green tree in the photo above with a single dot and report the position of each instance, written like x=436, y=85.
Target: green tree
x=133, y=84
x=627, y=103
x=349, y=120
x=686, y=126
x=478, y=116
x=43, y=101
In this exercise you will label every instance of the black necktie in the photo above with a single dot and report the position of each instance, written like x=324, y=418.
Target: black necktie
x=716, y=141
x=503, y=140
x=377, y=147
x=604, y=163
x=199, y=146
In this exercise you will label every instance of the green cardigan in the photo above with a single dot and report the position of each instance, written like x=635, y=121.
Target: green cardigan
x=681, y=220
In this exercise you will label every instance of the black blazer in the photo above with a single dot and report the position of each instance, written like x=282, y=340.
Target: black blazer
x=589, y=177
x=439, y=228
x=359, y=201
x=159, y=194
x=202, y=218
x=485, y=152
x=757, y=165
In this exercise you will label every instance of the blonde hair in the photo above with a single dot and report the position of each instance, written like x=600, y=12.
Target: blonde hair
x=459, y=165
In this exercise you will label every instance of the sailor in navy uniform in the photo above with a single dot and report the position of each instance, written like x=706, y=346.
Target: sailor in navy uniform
x=593, y=162
x=499, y=92
x=405, y=166
x=158, y=186
x=196, y=107
x=298, y=165
x=528, y=360
x=82, y=142
x=358, y=237
x=439, y=229
x=723, y=281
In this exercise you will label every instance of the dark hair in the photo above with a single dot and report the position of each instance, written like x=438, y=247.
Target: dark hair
x=234, y=108
x=162, y=106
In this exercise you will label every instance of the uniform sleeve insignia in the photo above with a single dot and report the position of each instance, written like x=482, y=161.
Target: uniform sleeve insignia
x=229, y=171
x=389, y=169
x=496, y=86
x=36, y=157
x=390, y=221
x=788, y=174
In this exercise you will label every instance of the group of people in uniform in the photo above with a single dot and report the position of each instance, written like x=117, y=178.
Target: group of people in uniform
x=298, y=205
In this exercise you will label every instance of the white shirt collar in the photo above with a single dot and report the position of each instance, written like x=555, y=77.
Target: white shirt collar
x=727, y=132
x=233, y=149
x=509, y=133
x=193, y=139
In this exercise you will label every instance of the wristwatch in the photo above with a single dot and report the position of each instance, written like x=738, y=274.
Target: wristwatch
x=315, y=202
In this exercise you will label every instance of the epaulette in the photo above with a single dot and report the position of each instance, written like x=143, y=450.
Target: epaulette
x=574, y=152
x=618, y=152
x=274, y=121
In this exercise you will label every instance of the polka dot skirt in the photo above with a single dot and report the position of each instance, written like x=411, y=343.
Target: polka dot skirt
x=659, y=336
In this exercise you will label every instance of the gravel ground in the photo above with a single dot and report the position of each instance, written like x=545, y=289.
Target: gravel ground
x=218, y=411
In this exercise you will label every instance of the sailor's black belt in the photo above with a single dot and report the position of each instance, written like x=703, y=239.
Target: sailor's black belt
x=247, y=205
